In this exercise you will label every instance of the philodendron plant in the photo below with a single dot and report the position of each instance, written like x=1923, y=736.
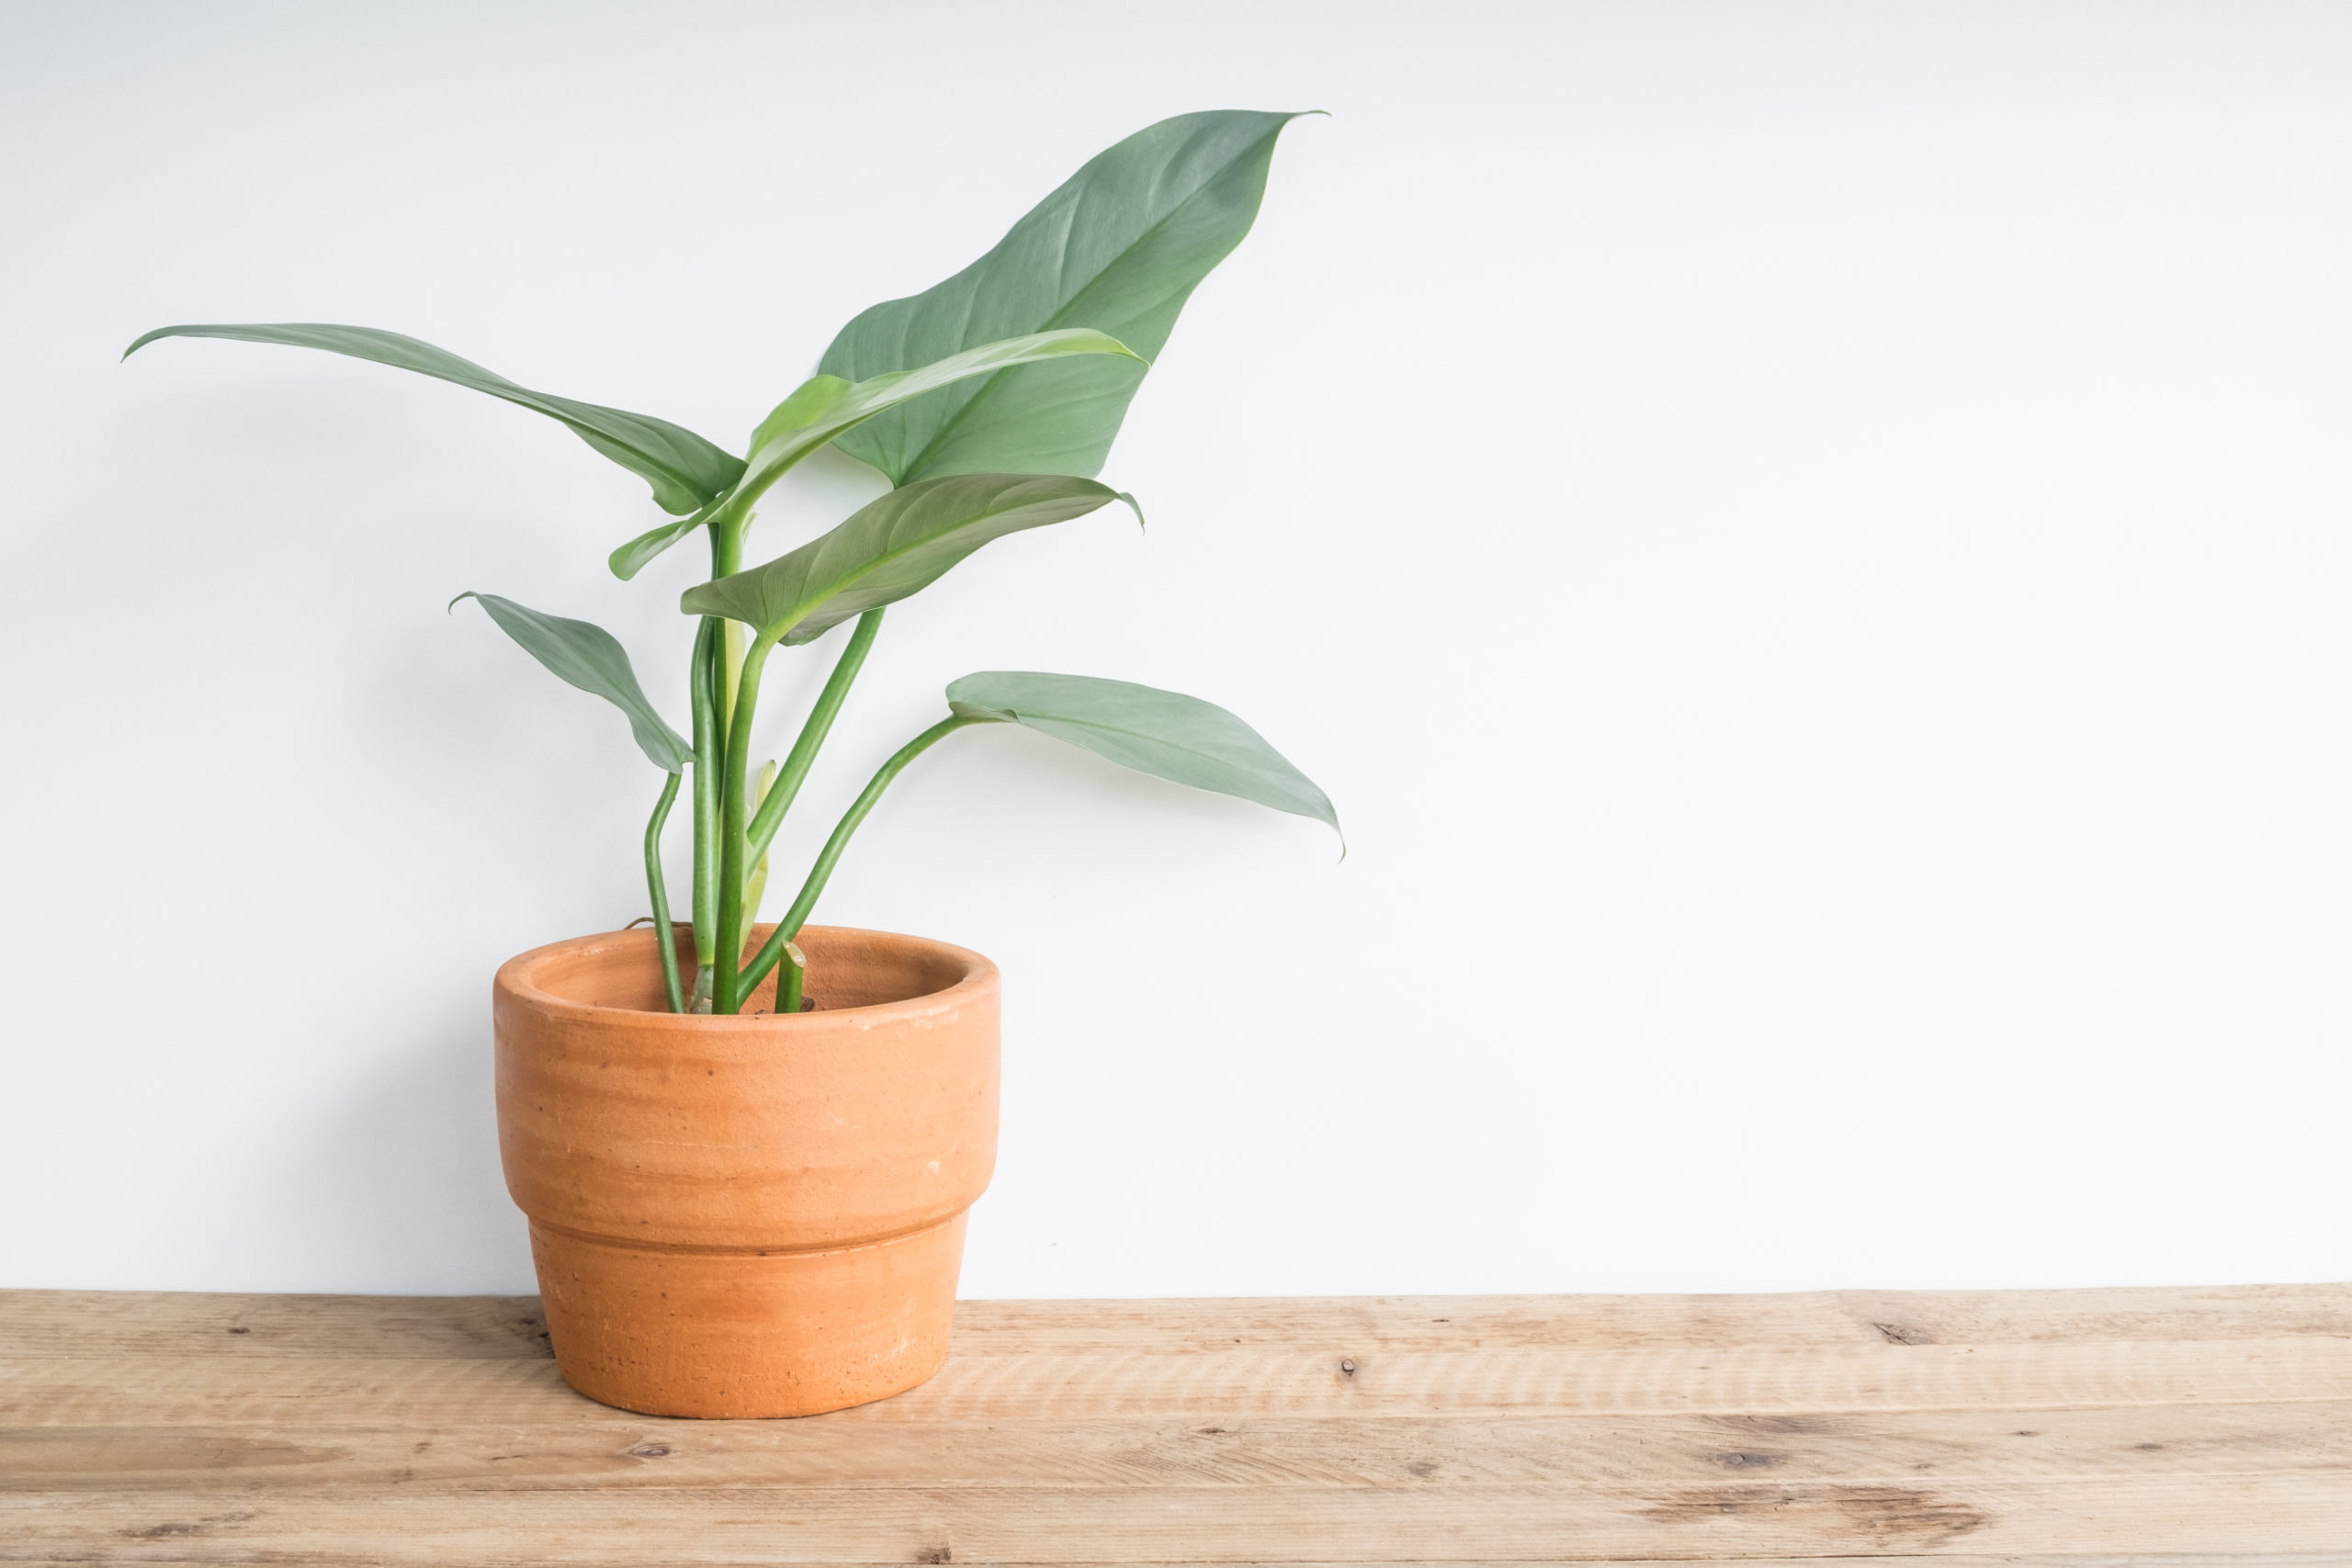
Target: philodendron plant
x=990, y=401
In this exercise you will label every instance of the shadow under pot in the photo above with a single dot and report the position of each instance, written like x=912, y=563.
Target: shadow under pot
x=748, y=1216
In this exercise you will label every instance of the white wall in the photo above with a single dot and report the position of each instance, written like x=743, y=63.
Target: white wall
x=1812, y=545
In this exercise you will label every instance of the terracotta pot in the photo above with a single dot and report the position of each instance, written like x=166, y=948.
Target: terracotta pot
x=751, y=1215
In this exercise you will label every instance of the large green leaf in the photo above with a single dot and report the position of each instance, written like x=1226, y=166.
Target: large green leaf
x=1119, y=247
x=686, y=471
x=895, y=546
x=1165, y=734
x=825, y=406
x=588, y=656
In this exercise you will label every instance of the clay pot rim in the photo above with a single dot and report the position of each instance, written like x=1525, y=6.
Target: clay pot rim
x=979, y=976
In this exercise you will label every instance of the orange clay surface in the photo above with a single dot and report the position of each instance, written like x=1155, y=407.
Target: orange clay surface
x=751, y=1215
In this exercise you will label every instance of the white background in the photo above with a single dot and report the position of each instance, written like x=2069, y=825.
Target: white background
x=1810, y=543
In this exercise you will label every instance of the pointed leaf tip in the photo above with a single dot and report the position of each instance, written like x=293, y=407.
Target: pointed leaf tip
x=1120, y=246
x=1166, y=734
x=583, y=654
x=684, y=470
x=894, y=546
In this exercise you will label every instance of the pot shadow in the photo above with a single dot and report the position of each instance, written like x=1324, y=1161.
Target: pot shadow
x=402, y=1192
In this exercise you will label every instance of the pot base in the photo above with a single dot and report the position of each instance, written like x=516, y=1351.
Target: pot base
x=672, y=1331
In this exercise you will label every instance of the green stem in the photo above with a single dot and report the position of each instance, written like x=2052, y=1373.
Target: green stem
x=665, y=936
x=788, y=984
x=734, y=818
x=726, y=561
x=730, y=671
x=789, y=778
x=707, y=748
x=713, y=694
x=788, y=927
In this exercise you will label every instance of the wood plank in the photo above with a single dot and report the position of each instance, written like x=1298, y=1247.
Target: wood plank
x=2055, y=1428
x=1369, y=1384
x=88, y=1325
x=2001, y=1317
x=359, y=1557
x=1727, y=1518
x=1410, y=1453
x=1701, y=1321
x=99, y=1323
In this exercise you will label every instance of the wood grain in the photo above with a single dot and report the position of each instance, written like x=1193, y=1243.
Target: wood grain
x=2082, y=1427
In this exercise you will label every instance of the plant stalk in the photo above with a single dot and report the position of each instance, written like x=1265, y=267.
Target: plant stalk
x=788, y=982
x=713, y=694
x=770, y=816
x=702, y=679
x=665, y=935
x=788, y=929
x=734, y=818
x=726, y=561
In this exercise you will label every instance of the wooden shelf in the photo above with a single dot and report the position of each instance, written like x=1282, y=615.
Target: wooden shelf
x=2020, y=1428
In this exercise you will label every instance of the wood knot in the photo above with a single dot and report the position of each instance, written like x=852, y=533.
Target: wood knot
x=651, y=1451
x=1879, y=1516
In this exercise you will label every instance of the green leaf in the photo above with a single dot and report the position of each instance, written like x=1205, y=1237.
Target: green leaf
x=804, y=408
x=685, y=471
x=890, y=548
x=1119, y=247
x=630, y=558
x=589, y=658
x=1166, y=734
x=825, y=406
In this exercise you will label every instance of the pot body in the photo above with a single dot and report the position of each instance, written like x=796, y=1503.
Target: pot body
x=748, y=1216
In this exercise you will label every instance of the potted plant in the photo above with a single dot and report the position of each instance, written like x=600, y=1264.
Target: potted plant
x=746, y=1150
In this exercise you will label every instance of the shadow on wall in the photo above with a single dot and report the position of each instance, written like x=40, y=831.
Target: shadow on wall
x=401, y=1191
